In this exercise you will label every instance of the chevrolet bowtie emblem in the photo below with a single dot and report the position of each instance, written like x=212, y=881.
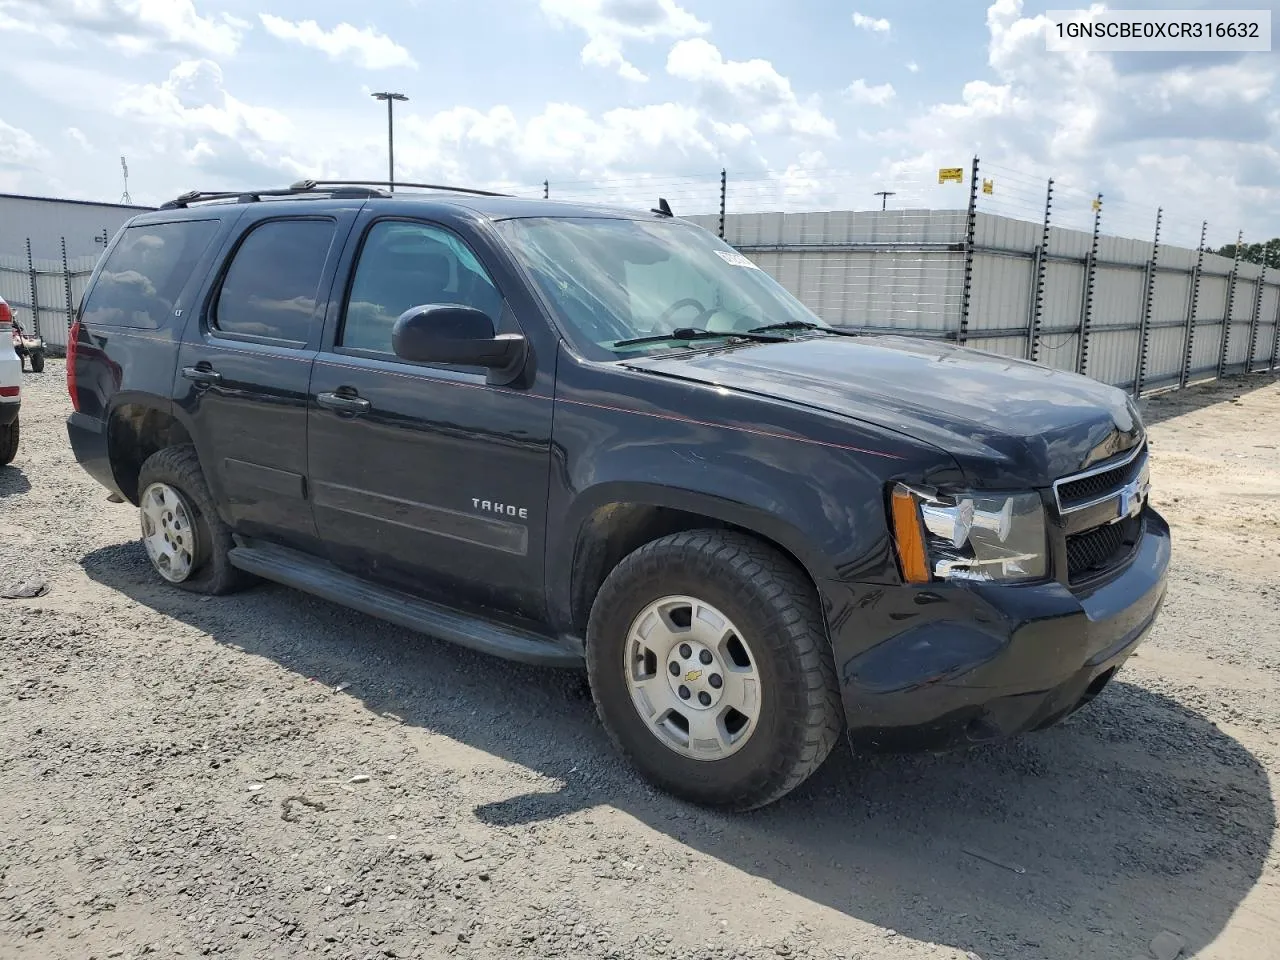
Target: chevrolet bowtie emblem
x=693, y=676
x=1132, y=496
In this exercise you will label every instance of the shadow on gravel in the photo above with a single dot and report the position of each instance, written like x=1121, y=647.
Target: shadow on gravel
x=1135, y=816
x=13, y=482
x=1177, y=403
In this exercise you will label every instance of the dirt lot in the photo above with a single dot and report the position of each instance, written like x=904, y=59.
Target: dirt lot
x=268, y=775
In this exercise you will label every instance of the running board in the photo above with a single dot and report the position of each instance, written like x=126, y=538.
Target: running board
x=322, y=579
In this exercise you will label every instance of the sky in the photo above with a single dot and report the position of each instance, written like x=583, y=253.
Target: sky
x=806, y=104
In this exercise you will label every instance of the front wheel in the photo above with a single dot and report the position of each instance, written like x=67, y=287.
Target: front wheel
x=710, y=669
x=37, y=361
x=9, y=443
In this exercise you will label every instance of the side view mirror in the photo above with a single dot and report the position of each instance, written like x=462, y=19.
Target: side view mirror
x=454, y=334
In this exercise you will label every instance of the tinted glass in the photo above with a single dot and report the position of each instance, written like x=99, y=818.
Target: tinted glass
x=270, y=289
x=405, y=265
x=141, y=279
x=612, y=280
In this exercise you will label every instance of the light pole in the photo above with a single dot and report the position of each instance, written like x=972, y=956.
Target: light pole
x=884, y=196
x=391, y=98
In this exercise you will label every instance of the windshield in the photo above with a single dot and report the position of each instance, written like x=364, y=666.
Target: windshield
x=612, y=281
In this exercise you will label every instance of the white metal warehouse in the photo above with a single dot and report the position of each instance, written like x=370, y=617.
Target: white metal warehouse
x=48, y=247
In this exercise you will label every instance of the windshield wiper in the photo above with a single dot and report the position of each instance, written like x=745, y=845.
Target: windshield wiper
x=801, y=325
x=689, y=333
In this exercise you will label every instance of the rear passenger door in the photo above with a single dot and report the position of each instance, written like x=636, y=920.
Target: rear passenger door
x=426, y=477
x=244, y=369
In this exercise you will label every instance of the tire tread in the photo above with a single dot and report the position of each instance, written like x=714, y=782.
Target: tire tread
x=774, y=590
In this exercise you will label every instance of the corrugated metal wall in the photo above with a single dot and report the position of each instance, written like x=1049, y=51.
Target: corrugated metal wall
x=905, y=270
x=57, y=291
x=48, y=222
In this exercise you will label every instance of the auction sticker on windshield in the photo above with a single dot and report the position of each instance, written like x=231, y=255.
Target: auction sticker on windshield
x=735, y=258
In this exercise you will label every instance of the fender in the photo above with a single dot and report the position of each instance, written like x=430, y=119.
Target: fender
x=805, y=484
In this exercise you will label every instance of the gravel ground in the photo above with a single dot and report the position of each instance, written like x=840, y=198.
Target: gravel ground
x=268, y=775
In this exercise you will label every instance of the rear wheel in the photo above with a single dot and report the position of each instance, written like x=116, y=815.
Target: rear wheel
x=37, y=361
x=710, y=669
x=185, y=539
x=8, y=443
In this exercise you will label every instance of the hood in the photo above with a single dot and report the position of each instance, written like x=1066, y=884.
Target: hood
x=1008, y=423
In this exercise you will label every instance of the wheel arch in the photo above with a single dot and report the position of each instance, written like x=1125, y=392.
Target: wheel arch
x=617, y=519
x=138, y=426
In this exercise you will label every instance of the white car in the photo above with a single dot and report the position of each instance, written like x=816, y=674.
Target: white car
x=10, y=387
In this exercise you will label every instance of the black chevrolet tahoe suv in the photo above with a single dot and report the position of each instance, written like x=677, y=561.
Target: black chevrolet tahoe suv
x=570, y=435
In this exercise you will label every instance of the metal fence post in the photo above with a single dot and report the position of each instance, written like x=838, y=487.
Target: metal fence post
x=546, y=189
x=1275, y=333
x=1231, y=301
x=1148, y=296
x=1189, y=337
x=1037, y=281
x=66, y=284
x=971, y=226
x=724, y=196
x=1257, y=310
x=1086, y=302
x=35, y=293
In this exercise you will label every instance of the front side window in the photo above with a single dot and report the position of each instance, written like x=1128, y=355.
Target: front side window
x=617, y=280
x=404, y=265
x=272, y=284
x=140, y=281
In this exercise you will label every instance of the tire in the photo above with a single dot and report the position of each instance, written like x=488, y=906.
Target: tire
x=37, y=361
x=175, y=473
x=783, y=640
x=9, y=443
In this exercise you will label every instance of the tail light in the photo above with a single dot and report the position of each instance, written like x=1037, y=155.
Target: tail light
x=73, y=344
x=6, y=319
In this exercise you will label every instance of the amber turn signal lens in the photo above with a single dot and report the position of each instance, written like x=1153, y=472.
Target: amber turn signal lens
x=909, y=538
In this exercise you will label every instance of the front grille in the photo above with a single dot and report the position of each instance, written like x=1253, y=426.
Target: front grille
x=1096, y=551
x=1093, y=486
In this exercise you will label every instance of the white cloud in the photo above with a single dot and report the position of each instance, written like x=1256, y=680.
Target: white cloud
x=1199, y=137
x=365, y=47
x=18, y=148
x=860, y=92
x=912, y=66
x=77, y=136
x=608, y=24
x=132, y=26
x=600, y=52
x=752, y=89
x=871, y=24
x=193, y=97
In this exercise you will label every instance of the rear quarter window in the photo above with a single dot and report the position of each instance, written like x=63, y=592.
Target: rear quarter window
x=144, y=275
x=271, y=287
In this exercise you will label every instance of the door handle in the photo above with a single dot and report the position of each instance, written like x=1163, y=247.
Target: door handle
x=343, y=402
x=201, y=374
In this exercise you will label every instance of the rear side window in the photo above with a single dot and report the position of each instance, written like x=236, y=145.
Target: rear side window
x=140, y=281
x=271, y=286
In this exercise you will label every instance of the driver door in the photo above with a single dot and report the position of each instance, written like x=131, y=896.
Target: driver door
x=425, y=477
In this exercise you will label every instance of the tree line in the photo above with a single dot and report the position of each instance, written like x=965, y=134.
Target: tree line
x=1255, y=252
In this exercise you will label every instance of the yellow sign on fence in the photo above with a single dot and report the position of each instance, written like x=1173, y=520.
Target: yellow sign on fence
x=988, y=186
x=951, y=175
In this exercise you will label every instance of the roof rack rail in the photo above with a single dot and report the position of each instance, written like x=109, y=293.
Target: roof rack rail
x=398, y=183
x=331, y=188
x=252, y=196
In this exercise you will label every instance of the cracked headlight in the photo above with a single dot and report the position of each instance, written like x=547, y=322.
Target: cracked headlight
x=968, y=536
